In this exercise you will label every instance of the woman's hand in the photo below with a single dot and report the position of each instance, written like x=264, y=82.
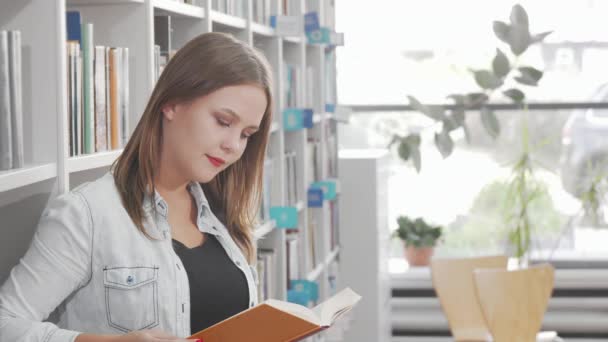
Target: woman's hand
x=153, y=335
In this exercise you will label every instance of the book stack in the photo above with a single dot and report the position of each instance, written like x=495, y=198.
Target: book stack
x=11, y=102
x=98, y=91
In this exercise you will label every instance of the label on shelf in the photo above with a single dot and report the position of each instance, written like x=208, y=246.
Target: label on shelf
x=293, y=119
x=315, y=198
x=311, y=21
x=329, y=188
x=286, y=25
x=285, y=217
x=310, y=288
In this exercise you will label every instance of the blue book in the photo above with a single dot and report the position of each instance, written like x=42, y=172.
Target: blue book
x=74, y=25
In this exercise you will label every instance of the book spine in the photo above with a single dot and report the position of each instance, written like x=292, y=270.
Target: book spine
x=6, y=156
x=88, y=94
x=100, y=99
x=14, y=42
x=125, y=96
x=79, y=105
x=108, y=124
x=114, y=118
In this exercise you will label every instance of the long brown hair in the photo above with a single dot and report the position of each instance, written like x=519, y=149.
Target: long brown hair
x=205, y=64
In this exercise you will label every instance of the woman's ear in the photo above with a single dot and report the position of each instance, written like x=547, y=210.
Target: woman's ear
x=169, y=111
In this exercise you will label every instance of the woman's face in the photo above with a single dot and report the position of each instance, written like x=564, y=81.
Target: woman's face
x=203, y=137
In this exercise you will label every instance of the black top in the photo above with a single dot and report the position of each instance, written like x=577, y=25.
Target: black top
x=218, y=289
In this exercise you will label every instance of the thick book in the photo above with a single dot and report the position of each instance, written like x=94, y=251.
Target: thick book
x=279, y=321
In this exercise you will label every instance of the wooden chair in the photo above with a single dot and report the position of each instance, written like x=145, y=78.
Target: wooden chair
x=514, y=301
x=454, y=284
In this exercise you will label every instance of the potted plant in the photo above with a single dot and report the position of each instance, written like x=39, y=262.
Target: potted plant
x=419, y=239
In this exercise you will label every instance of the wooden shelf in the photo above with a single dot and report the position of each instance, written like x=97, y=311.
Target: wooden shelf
x=17, y=178
x=92, y=161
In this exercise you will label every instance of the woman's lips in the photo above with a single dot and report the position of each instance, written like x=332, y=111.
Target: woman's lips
x=217, y=162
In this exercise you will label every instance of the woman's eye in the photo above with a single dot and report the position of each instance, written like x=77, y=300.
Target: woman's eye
x=245, y=136
x=223, y=123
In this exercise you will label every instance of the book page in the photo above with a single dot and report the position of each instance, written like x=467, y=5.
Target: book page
x=334, y=307
x=295, y=309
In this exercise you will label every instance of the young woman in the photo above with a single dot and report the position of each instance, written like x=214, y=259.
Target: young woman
x=160, y=247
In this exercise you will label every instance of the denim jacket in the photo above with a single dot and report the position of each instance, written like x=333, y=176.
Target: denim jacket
x=89, y=260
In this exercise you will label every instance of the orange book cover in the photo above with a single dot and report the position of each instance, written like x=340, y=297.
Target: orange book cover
x=114, y=112
x=280, y=321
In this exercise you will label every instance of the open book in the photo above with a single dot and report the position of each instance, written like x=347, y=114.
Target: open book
x=279, y=321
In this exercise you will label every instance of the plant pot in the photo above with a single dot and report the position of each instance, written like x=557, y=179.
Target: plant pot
x=419, y=256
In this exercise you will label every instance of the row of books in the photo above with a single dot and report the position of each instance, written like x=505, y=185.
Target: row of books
x=261, y=12
x=313, y=155
x=98, y=91
x=231, y=7
x=298, y=91
x=267, y=189
x=11, y=101
x=266, y=267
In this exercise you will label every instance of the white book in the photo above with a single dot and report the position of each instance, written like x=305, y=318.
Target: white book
x=14, y=47
x=6, y=148
x=79, y=104
x=125, y=96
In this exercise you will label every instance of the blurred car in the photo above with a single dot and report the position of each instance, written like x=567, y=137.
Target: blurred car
x=585, y=145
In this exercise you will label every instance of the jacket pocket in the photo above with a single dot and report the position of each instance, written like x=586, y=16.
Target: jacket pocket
x=131, y=297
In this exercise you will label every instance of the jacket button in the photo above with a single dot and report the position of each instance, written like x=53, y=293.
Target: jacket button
x=129, y=279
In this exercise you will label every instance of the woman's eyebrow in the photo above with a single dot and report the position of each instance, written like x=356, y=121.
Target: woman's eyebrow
x=236, y=116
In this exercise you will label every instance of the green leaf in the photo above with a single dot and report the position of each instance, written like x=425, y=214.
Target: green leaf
x=413, y=140
x=501, y=30
x=490, y=122
x=417, y=105
x=515, y=94
x=519, y=17
x=444, y=143
x=500, y=64
x=487, y=80
x=434, y=112
x=537, y=38
x=415, y=153
x=529, y=76
x=519, y=39
x=404, y=150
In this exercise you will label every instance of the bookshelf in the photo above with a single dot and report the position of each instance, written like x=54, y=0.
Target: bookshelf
x=299, y=158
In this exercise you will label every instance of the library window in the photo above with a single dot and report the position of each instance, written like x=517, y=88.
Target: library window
x=427, y=48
